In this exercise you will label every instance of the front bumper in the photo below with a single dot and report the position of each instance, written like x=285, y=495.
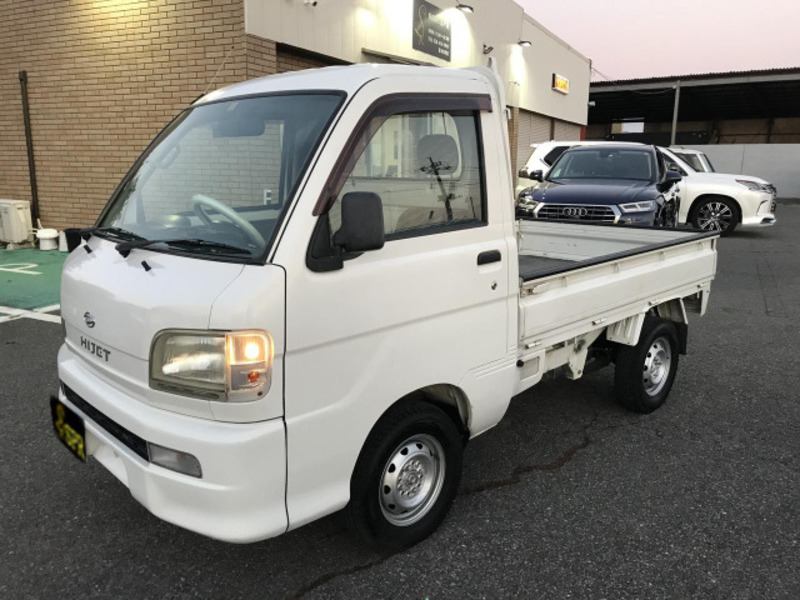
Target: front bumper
x=759, y=210
x=241, y=495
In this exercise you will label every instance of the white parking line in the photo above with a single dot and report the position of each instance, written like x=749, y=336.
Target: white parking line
x=47, y=309
x=11, y=314
x=20, y=268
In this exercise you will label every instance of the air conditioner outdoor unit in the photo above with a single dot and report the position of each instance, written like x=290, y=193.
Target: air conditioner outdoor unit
x=15, y=221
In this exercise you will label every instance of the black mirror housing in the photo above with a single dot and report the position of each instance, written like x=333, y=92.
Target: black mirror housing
x=537, y=176
x=73, y=236
x=362, y=223
x=671, y=178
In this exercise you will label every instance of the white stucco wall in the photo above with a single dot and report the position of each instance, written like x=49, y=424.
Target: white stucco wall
x=777, y=163
x=345, y=28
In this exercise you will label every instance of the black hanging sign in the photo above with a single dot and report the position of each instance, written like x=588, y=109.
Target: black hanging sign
x=431, y=33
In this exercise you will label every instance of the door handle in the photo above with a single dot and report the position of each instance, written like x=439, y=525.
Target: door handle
x=489, y=256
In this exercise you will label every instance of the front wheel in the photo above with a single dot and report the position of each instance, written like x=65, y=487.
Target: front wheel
x=644, y=373
x=715, y=214
x=406, y=476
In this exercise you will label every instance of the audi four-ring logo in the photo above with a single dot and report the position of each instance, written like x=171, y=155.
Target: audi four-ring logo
x=574, y=211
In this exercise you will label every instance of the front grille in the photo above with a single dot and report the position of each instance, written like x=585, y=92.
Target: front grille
x=130, y=439
x=577, y=212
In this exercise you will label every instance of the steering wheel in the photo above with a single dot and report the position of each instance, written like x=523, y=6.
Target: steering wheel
x=200, y=201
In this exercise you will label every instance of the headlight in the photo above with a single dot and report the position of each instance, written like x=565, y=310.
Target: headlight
x=633, y=207
x=750, y=185
x=234, y=367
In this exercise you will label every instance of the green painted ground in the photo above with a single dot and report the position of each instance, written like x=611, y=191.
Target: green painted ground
x=30, y=278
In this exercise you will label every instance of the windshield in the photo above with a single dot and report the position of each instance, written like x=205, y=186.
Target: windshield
x=219, y=178
x=699, y=162
x=604, y=163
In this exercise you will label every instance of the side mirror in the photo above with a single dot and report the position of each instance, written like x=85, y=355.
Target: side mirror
x=537, y=176
x=362, y=223
x=672, y=177
x=523, y=173
x=73, y=236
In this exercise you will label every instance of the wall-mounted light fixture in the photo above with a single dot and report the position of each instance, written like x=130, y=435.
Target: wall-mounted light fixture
x=524, y=43
x=487, y=49
x=465, y=8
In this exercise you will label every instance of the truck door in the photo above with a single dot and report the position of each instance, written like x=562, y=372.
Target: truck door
x=430, y=307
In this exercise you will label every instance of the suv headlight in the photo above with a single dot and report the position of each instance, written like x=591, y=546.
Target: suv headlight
x=634, y=207
x=750, y=185
x=233, y=367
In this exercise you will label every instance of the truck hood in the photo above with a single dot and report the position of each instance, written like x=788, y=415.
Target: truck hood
x=120, y=306
x=608, y=193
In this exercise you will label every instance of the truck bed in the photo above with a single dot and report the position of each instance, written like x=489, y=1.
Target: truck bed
x=548, y=247
x=579, y=280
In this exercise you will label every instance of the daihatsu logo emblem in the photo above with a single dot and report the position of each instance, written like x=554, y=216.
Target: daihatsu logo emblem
x=88, y=318
x=574, y=211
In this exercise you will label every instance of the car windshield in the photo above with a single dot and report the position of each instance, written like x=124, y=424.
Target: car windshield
x=219, y=178
x=604, y=163
x=699, y=162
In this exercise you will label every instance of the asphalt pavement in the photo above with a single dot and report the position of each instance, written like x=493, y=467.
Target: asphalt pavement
x=569, y=497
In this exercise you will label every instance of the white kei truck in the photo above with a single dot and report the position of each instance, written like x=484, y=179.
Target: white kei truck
x=311, y=291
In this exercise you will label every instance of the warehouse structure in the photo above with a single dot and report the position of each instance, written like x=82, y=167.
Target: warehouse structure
x=746, y=122
x=86, y=84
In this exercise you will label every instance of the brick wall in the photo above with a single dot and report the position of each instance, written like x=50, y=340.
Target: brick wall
x=104, y=76
x=261, y=56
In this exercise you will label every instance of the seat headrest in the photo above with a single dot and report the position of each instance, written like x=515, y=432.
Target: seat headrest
x=440, y=147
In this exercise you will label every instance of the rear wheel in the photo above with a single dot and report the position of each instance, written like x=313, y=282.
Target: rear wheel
x=715, y=214
x=644, y=373
x=406, y=476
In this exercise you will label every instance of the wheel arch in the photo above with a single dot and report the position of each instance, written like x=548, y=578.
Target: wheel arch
x=707, y=196
x=450, y=398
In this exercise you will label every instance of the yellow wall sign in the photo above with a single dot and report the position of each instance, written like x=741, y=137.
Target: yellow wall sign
x=560, y=83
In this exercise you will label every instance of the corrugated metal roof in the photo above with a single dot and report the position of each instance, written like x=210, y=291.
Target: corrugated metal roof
x=764, y=94
x=696, y=76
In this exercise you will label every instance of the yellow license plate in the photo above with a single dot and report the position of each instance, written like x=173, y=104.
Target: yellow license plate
x=69, y=428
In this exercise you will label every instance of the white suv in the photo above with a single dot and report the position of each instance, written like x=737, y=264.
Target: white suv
x=719, y=201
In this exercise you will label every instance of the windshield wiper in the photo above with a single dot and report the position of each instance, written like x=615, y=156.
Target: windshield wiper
x=124, y=248
x=117, y=232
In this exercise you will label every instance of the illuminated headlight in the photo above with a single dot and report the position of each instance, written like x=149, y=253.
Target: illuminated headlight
x=233, y=367
x=750, y=185
x=634, y=207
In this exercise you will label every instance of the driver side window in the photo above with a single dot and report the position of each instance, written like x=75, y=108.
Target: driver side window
x=427, y=169
x=673, y=166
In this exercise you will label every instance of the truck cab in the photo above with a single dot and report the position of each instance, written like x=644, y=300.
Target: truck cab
x=310, y=292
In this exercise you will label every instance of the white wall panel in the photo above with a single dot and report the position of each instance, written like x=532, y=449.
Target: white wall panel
x=777, y=163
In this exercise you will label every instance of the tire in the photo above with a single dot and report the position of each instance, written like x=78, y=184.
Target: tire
x=406, y=476
x=715, y=213
x=644, y=373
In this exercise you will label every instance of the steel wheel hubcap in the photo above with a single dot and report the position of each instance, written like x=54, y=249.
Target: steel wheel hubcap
x=715, y=216
x=657, y=364
x=412, y=480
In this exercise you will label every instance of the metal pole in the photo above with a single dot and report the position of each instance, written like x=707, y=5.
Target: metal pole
x=675, y=112
x=26, y=114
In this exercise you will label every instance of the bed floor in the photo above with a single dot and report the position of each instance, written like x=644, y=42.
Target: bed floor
x=531, y=267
